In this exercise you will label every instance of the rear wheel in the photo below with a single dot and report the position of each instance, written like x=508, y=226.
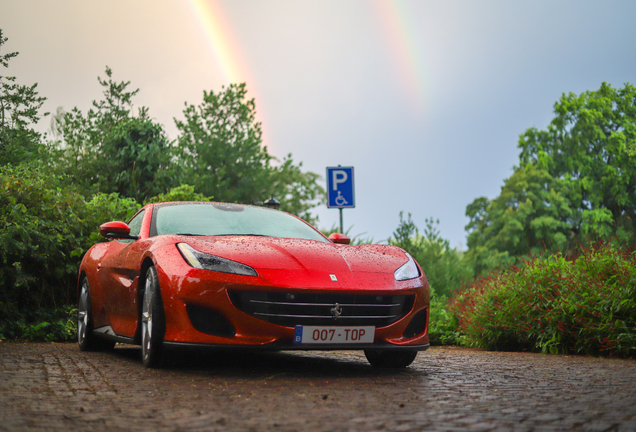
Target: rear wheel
x=390, y=358
x=152, y=321
x=86, y=338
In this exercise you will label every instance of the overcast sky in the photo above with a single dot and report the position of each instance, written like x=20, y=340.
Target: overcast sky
x=426, y=99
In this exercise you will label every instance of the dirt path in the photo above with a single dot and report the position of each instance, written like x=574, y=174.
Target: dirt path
x=52, y=387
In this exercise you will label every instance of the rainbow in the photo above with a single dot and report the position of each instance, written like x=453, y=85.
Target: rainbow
x=226, y=50
x=395, y=19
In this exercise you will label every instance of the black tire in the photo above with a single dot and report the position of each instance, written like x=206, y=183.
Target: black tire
x=153, y=321
x=390, y=358
x=86, y=338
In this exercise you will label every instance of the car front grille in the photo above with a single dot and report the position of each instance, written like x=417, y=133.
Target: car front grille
x=292, y=308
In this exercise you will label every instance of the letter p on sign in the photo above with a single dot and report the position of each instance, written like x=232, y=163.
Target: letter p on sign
x=338, y=176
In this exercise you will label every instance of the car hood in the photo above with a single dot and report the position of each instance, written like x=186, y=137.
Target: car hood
x=299, y=254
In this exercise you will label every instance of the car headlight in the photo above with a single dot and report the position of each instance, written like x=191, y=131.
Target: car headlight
x=205, y=261
x=408, y=270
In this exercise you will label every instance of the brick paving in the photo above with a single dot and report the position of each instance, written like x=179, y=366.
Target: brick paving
x=51, y=387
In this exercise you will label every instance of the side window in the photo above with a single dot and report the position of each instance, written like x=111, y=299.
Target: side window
x=135, y=223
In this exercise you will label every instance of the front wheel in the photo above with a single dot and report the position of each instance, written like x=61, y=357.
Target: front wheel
x=152, y=321
x=390, y=358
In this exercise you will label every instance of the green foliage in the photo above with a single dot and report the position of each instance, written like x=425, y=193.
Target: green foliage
x=297, y=191
x=530, y=215
x=220, y=147
x=219, y=152
x=19, y=106
x=111, y=150
x=575, y=183
x=180, y=193
x=443, y=327
x=38, y=324
x=586, y=146
x=45, y=228
x=584, y=305
x=445, y=267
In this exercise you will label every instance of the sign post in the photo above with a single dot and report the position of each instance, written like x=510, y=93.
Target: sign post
x=340, y=189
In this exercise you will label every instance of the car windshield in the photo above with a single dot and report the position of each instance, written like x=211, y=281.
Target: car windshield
x=215, y=219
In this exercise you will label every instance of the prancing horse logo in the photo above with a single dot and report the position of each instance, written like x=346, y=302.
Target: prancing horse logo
x=336, y=311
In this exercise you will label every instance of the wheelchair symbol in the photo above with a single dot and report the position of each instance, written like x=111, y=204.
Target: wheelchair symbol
x=340, y=200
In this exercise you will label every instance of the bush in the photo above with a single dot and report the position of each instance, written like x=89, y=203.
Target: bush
x=38, y=324
x=45, y=228
x=443, y=326
x=43, y=232
x=584, y=305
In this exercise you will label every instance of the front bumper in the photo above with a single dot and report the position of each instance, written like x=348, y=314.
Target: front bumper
x=210, y=291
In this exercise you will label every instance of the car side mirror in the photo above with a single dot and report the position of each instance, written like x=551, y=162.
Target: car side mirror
x=116, y=230
x=339, y=238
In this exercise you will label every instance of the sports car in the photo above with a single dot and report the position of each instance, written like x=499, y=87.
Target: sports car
x=200, y=274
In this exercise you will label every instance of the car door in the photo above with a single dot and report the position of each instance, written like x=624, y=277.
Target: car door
x=119, y=279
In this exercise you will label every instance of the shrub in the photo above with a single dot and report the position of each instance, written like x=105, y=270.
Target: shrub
x=443, y=326
x=45, y=228
x=43, y=232
x=38, y=324
x=586, y=304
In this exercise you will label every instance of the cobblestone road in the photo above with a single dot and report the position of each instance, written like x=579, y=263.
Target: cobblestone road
x=48, y=387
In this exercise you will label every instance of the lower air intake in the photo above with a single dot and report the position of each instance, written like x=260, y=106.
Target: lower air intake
x=209, y=321
x=417, y=324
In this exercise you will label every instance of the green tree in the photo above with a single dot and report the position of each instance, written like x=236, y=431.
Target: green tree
x=112, y=150
x=180, y=193
x=19, y=109
x=575, y=182
x=220, y=147
x=220, y=153
x=531, y=214
x=587, y=146
x=296, y=190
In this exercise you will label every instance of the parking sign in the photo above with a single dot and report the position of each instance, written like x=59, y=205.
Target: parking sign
x=340, y=188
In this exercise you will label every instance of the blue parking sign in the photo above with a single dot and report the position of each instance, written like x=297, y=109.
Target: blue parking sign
x=340, y=188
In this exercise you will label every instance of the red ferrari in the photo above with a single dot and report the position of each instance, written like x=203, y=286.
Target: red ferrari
x=228, y=275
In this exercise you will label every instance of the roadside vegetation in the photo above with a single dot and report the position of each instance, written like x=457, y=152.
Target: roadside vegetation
x=585, y=304
x=549, y=265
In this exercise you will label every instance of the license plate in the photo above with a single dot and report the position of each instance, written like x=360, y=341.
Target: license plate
x=334, y=335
